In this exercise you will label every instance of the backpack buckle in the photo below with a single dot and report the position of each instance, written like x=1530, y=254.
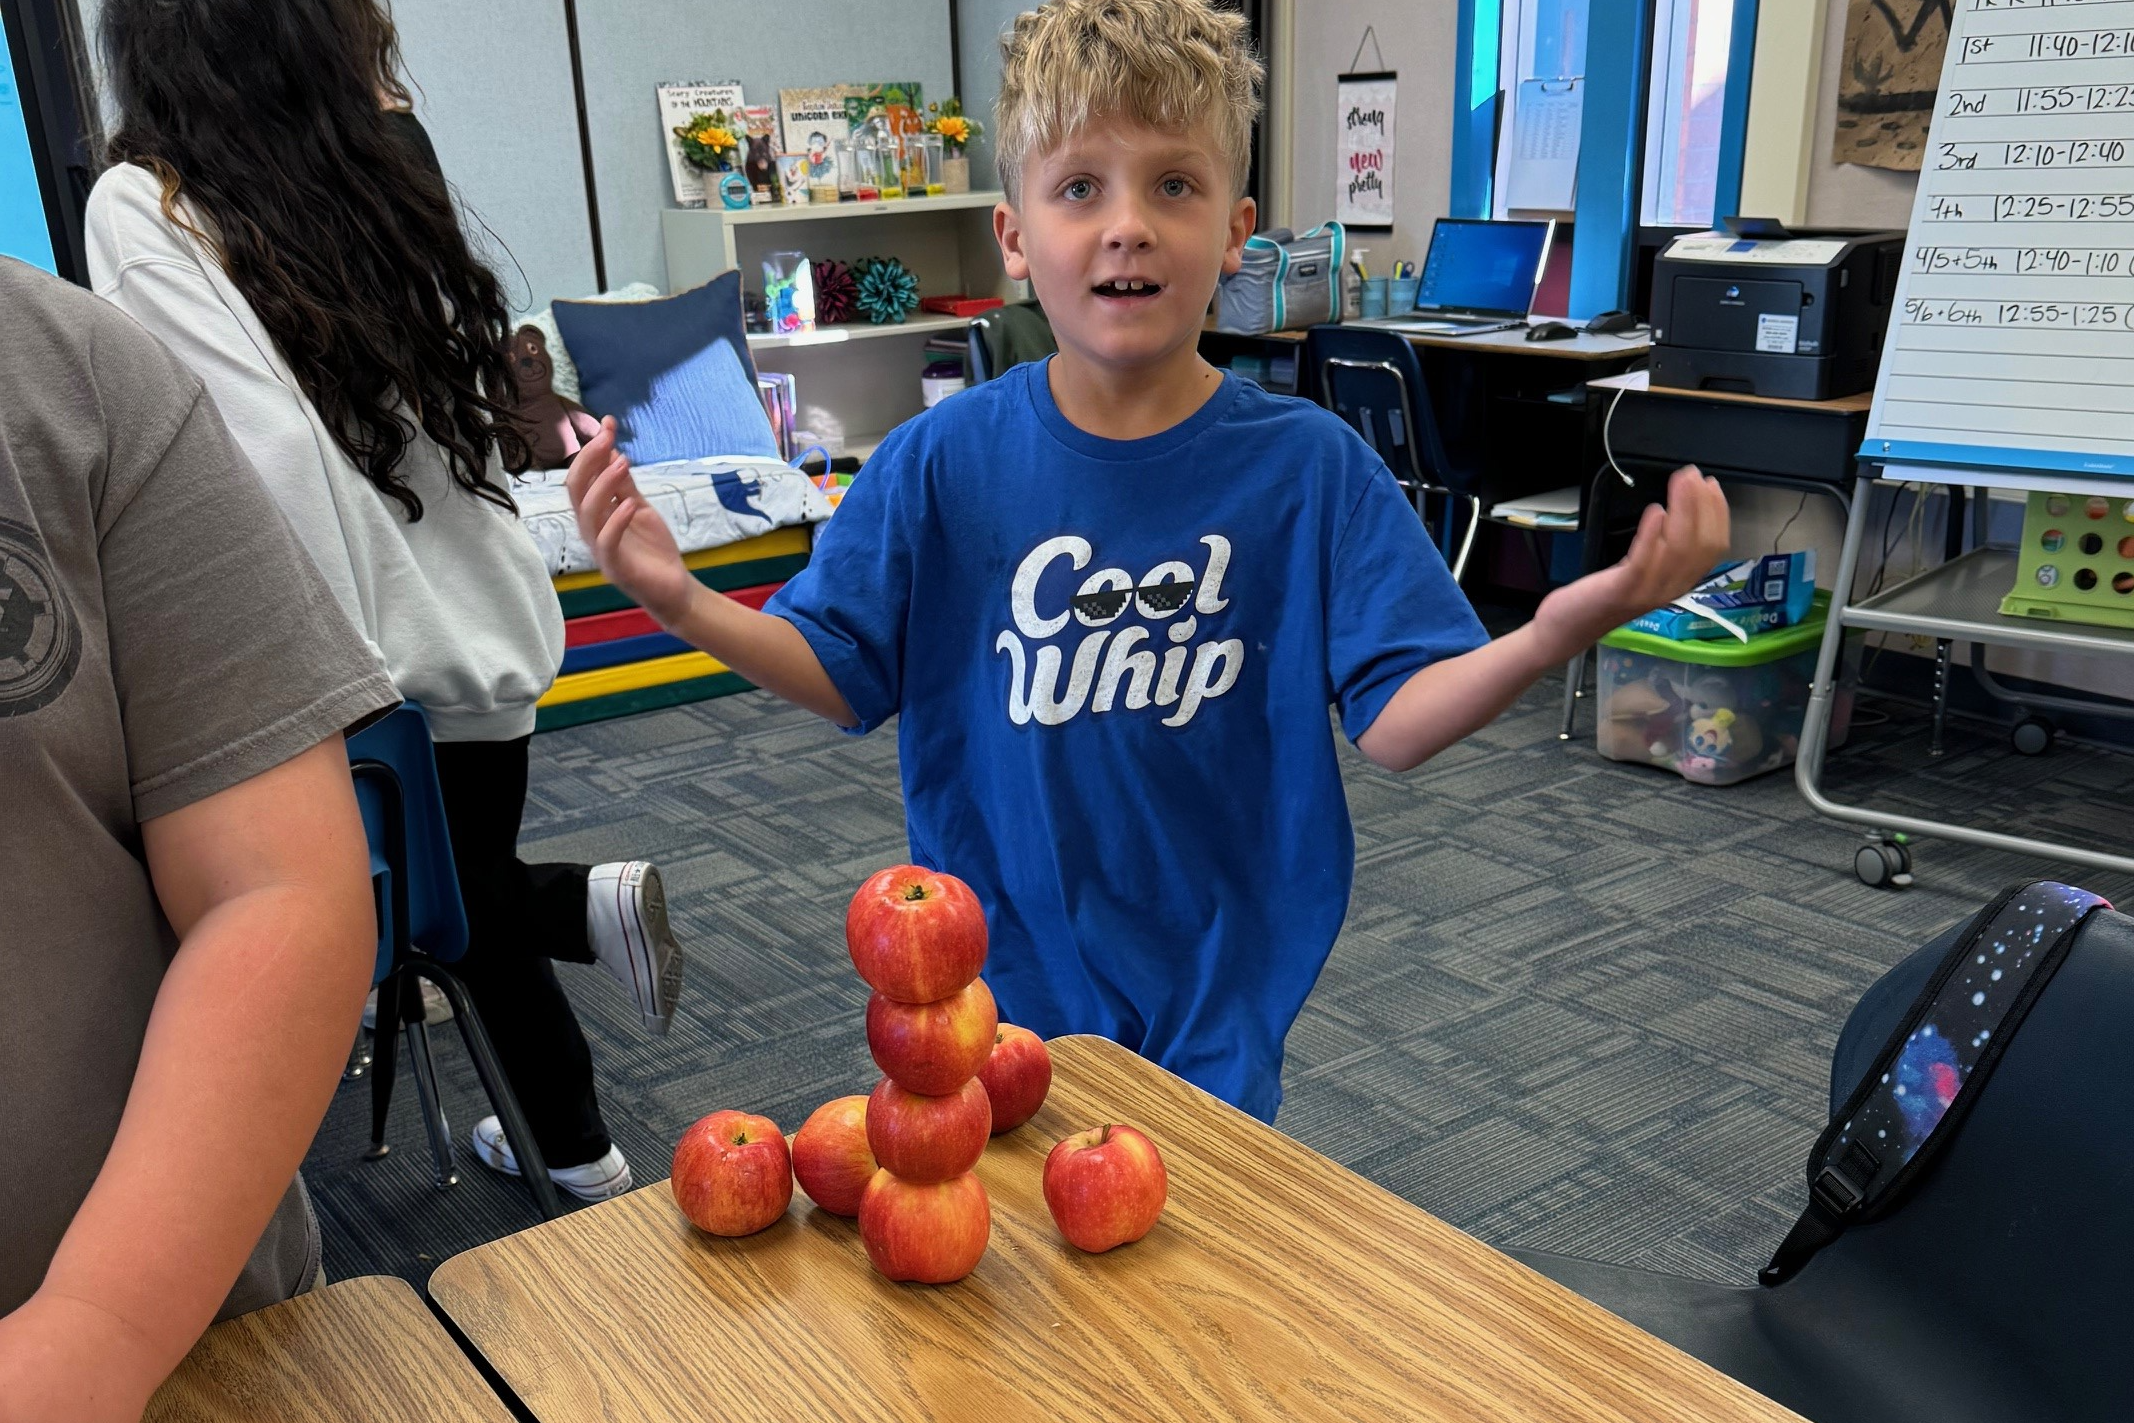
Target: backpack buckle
x=1835, y=1192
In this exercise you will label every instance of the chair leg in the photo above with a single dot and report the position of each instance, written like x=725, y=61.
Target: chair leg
x=1467, y=539
x=424, y=1066
x=1574, y=682
x=385, y=1061
x=361, y=1053
x=532, y=1167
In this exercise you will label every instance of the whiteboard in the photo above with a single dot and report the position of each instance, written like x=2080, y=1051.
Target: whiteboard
x=2012, y=343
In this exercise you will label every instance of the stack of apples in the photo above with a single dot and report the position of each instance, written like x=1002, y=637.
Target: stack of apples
x=901, y=1159
x=918, y=938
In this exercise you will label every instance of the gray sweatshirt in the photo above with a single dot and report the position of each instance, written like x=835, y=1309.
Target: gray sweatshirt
x=458, y=605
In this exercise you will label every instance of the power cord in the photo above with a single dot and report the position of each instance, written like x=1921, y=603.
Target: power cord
x=1775, y=538
x=1608, y=450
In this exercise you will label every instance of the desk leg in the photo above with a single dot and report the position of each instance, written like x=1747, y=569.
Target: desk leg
x=1941, y=695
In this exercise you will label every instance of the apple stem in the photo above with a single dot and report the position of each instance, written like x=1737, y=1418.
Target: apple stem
x=1103, y=1136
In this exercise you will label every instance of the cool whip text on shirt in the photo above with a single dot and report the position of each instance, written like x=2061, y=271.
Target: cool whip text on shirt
x=1184, y=678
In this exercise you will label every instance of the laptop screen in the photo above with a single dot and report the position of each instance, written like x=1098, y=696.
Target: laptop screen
x=1478, y=266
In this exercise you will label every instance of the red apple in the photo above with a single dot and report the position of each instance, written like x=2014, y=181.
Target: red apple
x=1017, y=1075
x=1105, y=1187
x=916, y=934
x=925, y=1139
x=831, y=1158
x=930, y=1233
x=933, y=1047
x=732, y=1173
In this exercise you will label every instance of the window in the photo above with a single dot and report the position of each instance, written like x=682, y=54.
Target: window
x=1685, y=116
x=1541, y=66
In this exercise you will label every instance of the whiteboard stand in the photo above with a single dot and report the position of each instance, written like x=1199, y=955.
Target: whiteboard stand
x=2009, y=358
x=1958, y=601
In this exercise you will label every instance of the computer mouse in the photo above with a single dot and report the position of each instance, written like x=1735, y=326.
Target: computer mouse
x=1550, y=331
x=1612, y=323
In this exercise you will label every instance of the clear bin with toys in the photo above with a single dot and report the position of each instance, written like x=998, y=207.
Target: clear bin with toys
x=1716, y=712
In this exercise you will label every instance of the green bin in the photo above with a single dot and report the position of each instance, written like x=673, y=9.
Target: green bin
x=1721, y=711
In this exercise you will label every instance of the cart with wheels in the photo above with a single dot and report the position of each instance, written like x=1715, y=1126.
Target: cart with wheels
x=1957, y=601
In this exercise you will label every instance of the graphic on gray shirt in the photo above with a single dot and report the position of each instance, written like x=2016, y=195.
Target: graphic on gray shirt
x=40, y=641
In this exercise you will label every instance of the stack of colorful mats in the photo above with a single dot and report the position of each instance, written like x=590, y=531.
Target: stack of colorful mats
x=616, y=660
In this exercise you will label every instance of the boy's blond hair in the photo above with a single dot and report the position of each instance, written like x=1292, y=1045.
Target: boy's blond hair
x=1170, y=64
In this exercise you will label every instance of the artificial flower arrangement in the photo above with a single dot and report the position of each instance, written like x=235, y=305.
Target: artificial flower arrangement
x=710, y=141
x=956, y=129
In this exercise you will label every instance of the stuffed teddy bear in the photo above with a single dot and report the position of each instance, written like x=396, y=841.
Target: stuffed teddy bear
x=1639, y=725
x=555, y=428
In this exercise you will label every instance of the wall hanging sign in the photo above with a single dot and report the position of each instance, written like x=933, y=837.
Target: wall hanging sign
x=1363, y=145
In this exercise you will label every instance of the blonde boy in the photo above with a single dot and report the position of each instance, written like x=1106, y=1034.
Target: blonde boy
x=1112, y=595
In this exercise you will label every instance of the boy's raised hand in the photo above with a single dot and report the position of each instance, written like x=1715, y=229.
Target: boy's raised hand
x=1672, y=552
x=635, y=548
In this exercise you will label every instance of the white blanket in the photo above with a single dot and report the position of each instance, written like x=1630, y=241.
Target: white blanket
x=707, y=502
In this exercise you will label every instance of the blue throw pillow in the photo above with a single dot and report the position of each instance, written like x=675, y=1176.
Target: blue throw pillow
x=675, y=373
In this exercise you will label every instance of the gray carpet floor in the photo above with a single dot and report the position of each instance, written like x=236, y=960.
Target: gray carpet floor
x=1577, y=1006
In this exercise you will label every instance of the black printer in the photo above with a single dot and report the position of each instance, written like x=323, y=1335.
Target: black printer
x=1762, y=311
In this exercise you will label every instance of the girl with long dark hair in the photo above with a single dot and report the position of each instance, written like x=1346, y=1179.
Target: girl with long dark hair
x=264, y=218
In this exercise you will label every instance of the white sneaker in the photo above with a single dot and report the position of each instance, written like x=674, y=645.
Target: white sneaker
x=626, y=924
x=595, y=1181
x=436, y=1008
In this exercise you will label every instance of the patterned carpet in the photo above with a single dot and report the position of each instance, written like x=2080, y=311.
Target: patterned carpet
x=1578, y=1006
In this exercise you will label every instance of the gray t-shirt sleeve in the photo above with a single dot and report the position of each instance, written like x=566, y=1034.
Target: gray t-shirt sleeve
x=228, y=652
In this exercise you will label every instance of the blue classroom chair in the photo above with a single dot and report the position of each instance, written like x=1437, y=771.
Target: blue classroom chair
x=421, y=928
x=1374, y=382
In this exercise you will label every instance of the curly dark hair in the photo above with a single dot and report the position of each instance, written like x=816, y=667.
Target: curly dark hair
x=266, y=121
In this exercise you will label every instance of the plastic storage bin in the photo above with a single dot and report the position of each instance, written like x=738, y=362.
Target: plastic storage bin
x=1716, y=712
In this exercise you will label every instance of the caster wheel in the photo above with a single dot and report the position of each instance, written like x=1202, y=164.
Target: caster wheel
x=2032, y=736
x=1882, y=863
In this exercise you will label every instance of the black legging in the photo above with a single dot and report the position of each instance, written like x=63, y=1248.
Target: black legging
x=520, y=916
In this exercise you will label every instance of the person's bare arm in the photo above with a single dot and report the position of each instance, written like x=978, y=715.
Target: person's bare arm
x=1450, y=700
x=638, y=554
x=267, y=884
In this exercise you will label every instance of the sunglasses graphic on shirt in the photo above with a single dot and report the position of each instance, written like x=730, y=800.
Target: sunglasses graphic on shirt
x=1155, y=599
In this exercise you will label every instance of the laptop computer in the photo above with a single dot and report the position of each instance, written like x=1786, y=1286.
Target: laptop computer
x=1477, y=276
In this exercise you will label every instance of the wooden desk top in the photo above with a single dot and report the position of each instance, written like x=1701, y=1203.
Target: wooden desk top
x=1505, y=343
x=1641, y=381
x=1276, y=1286
x=361, y=1351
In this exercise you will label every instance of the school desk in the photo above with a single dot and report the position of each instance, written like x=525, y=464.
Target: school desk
x=1276, y=1286
x=1809, y=444
x=361, y=1351
x=1516, y=410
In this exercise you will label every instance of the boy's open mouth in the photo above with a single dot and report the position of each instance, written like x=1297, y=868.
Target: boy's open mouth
x=1126, y=290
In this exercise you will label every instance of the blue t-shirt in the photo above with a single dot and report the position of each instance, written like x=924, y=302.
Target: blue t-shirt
x=1113, y=661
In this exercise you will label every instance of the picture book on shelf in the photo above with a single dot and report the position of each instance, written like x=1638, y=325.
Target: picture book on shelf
x=813, y=120
x=900, y=101
x=677, y=102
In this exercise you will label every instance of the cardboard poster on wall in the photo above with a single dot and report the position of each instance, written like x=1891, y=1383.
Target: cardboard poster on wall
x=1886, y=86
x=1363, y=151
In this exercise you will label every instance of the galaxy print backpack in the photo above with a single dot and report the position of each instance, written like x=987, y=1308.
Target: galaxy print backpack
x=1915, y=1097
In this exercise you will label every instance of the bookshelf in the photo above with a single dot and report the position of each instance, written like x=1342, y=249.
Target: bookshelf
x=856, y=380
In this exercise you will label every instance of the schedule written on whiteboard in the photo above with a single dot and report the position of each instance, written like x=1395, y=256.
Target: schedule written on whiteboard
x=2013, y=341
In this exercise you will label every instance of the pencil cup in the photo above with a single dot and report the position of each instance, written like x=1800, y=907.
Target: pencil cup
x=1371, y=299
x=1400, y=294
